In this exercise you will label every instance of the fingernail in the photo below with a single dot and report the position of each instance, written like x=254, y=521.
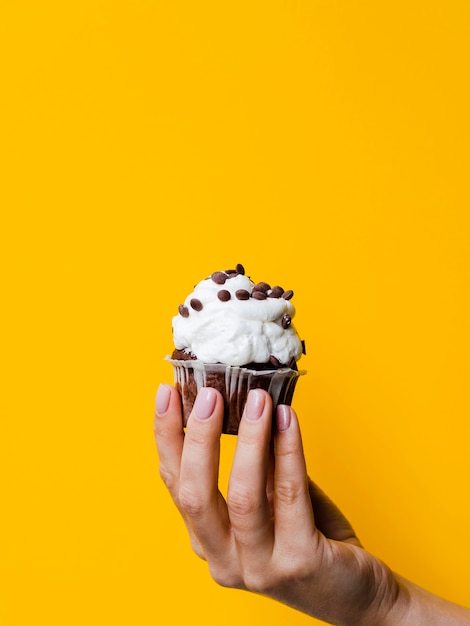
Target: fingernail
x=205, y=403
x=283, y=417
x=254, y=405
x=163, y=399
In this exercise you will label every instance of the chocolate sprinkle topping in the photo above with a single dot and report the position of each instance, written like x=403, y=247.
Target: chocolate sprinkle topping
x=262, y=287
x=224, y=295
x=242, y=294
x=260, y=291
x=286, y=321
x=276, y=292
x=196, y=304
x=219, y=277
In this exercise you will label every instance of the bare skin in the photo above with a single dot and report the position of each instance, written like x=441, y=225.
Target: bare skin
x=278, y=534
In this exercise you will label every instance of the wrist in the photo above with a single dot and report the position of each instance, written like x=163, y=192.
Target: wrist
x=398, y=608
x=416, y=607
x=378, y=597
x=390, y=601
x=383, y=598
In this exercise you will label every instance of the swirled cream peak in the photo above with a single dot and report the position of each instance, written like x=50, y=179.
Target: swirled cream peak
x=230, y=319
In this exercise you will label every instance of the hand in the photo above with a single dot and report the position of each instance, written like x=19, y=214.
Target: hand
x=278, y=534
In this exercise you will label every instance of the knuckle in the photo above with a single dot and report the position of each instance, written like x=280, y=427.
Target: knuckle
x=196, y=437
x=226, y=578
x=241, y=503
x=196, y=546
x=191, y=502
x=168, y=478
x=295, y=570
x=296, y=564
x=288, y=451
x=289, y=491
x=259, y=582
x=253, y=439
x=286, y=575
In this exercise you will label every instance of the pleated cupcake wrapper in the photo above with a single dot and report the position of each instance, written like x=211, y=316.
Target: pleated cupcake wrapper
x=234, y=383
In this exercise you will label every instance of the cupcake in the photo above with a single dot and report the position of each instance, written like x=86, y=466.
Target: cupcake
x=235, y=335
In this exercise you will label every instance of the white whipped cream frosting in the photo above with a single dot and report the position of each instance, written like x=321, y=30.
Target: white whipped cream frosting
x=236, y=332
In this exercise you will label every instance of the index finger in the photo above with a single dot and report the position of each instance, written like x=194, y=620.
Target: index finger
x=169, y=436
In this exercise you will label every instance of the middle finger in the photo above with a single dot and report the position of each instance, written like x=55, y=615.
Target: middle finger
x=248, y=505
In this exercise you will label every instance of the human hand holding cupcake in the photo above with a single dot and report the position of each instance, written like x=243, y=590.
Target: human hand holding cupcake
x=276, y=533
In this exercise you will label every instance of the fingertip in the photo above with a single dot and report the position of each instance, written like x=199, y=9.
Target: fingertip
x=209, y=403
x=168, y=418
x=162, y=401
x=205, y=403
x=256, y=423
x=255, y=404
x=283, y=417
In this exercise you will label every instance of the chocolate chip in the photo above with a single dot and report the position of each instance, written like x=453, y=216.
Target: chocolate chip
x=276, y=292
x=262, y=287
x=240, y=269
x=183, y=310
x=196, y=304
x=258, y=295
x=287, y=295
x=231, y=273
x=224, y=295
x=242, y=294
x=292, y=363
x=304, y=351
x=274, y=361
x=219, y=277
x=286, y=321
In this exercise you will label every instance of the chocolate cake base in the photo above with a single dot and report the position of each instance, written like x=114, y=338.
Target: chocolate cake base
x=234, y=383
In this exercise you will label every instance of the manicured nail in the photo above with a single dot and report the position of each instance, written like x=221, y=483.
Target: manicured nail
x=283, y=417
x=254, y=405
x=205, y=403
x=163, y=399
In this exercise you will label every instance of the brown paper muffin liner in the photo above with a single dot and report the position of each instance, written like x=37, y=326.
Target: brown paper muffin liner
x=234, y=383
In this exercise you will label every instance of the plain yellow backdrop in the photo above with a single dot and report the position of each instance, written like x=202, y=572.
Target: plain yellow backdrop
x=324, y=145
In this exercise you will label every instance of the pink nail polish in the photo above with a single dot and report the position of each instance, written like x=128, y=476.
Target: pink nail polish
x=283, y=417
x=205, y=403
x=163, y=399
x=254, y=405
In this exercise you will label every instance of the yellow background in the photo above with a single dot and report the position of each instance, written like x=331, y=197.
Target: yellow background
x=324, y=145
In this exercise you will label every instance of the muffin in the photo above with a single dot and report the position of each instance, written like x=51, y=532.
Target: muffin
x=235, y=335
